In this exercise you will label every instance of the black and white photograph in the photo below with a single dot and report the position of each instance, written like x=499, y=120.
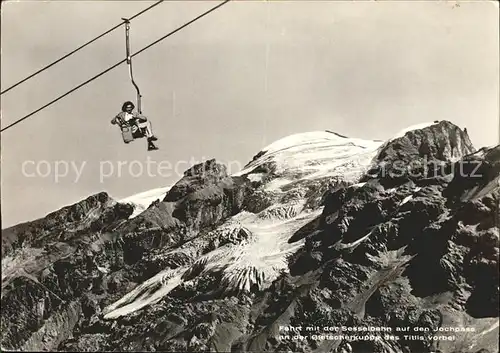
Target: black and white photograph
x=250, y=176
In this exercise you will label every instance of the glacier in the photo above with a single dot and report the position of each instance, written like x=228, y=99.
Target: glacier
x=300, y=161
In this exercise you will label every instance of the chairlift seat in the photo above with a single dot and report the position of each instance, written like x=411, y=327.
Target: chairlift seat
x=130, y=133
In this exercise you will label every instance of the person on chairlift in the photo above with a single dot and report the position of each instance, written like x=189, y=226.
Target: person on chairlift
x=139, y=123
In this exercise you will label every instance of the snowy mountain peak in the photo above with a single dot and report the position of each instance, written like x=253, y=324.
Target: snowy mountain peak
x=289, y=178
x=313, y=155
x=308, y=155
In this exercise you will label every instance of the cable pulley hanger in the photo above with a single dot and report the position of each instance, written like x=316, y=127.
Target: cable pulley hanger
x=129, y=63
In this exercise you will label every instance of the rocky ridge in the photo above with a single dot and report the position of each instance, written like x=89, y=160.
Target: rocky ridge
x=318, y=230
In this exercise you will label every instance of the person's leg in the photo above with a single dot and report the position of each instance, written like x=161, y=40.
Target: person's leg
x=146, y=127
x=136, y=131
x=148, y=130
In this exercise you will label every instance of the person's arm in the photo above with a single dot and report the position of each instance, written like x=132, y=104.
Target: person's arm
x=116, y=119
x=140, y=117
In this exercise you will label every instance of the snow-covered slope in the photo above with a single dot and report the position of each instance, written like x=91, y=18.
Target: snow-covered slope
x=402, y=132
x=302, y=164
x=141, y=201
x=411, y=128
x=313, y=155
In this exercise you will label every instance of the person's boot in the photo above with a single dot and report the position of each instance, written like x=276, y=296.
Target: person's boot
x=153, y=138
x=151, y=145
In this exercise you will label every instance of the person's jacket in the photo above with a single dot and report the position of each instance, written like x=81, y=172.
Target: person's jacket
x=120, y=118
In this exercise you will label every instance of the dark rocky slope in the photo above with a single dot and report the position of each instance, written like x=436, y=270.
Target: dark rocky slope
x=413, y=245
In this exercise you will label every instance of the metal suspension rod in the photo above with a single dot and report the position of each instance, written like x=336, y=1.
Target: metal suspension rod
x=129, y=63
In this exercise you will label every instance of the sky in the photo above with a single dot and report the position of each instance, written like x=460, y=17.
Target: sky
x=233, y=82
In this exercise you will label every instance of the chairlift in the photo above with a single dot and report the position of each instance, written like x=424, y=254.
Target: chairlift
x=131, y=132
